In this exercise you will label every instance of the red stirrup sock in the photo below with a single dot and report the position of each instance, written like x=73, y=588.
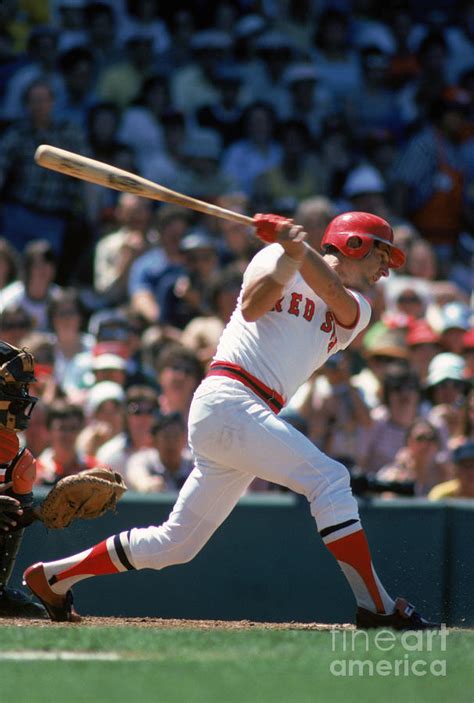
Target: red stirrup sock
x=108, y=557
x=353, y=555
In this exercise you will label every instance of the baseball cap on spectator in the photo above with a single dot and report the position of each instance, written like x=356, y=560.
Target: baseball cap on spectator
x=420, y=332
x=454, y=315
x=105, y=390
x=464, y=451
x=443, y=367
x=300, y=72
x=211, y=39
x=104, y=362
x=362, y=180
x=197, y=240
x=381, y=341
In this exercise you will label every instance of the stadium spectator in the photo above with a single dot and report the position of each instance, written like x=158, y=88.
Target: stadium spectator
x=339, y=419
x=400, y=407
x=61, y=458
x=257, y=151
x=121, y=81
x=446, y=388
x=116, y=252
x=419, y=461
x=66, y=315
x=462, y=486
x=193, y=85
x=202, y=333
x=335, y=57
x=104, y=414
x=423, y=345
x=307, y=101
x=141, y=404
x=179, y=373
x=36, y=199
x=381, y=347
x=182, y=293
x=430, y=175
x=167, y=166
x=167, y=463
x=202, y=156
x=77, y=96
x=297, y=175
x=140, y=124
x=15, y=324
x=37, y=289
x=40, y=63
x=224, y=115
x=164, y=257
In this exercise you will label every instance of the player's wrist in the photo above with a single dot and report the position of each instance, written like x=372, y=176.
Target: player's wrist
x=284, y=269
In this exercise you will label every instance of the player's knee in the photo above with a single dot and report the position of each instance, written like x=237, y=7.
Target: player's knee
x=334, y=494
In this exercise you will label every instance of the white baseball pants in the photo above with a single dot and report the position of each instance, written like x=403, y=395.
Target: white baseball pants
x=235, y=437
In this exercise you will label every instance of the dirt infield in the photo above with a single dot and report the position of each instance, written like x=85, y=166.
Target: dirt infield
x=160, y=623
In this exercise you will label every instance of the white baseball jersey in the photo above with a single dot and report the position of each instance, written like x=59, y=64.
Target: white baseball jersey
x=262, y=347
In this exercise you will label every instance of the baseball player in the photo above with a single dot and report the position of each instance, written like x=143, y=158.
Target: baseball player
x=17, y=472
x=295, y=309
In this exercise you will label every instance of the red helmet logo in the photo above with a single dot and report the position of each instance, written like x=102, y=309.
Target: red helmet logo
x=354, y=234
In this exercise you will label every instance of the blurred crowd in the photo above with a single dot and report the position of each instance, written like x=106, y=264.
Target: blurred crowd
x=305, y=108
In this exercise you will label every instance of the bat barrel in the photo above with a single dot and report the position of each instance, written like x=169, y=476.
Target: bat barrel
x=98, y=172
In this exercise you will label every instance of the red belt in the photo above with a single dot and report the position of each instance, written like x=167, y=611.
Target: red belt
x=224, y=368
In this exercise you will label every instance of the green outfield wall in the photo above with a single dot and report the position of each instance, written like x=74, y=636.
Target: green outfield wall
x=267, y=562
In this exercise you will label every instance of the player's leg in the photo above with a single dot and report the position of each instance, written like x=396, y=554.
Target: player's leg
x=283, y=455
x=206, y=499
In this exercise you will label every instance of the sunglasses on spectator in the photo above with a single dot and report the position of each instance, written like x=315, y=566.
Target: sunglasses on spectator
x=66, y=312
x=409, y=299
x=15, y=325
x=410, y=386
x=140, y=409
x=426, y=437
x=383, y=358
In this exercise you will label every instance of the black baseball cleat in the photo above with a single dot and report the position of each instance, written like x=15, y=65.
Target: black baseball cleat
x=404, y=617
x=59, y=607
x=16, y=604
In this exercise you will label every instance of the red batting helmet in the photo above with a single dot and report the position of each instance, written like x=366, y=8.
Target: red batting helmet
x=354, y=234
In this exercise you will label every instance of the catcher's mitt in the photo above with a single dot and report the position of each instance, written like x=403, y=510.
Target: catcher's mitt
x=87, y=494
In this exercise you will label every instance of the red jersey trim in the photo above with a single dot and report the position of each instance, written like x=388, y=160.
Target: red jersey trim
x=354, y=324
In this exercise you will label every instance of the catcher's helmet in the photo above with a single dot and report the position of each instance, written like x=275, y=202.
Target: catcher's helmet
x=16, y=373
x=354, y=234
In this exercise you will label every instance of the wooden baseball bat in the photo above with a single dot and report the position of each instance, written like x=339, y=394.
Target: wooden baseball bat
x=104, y=174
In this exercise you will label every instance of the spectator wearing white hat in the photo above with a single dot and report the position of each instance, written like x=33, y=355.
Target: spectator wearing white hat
x=446, y=388
x=453, y=324
x=104, y=406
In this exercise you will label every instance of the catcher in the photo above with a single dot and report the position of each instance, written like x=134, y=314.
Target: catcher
x=87, y=494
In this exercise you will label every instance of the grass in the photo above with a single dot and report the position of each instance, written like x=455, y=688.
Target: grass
x=216, y=666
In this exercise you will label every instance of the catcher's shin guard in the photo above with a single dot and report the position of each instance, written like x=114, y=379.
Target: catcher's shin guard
x=13, y=603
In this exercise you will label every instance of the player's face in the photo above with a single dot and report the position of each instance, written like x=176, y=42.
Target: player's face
x=364, y=273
